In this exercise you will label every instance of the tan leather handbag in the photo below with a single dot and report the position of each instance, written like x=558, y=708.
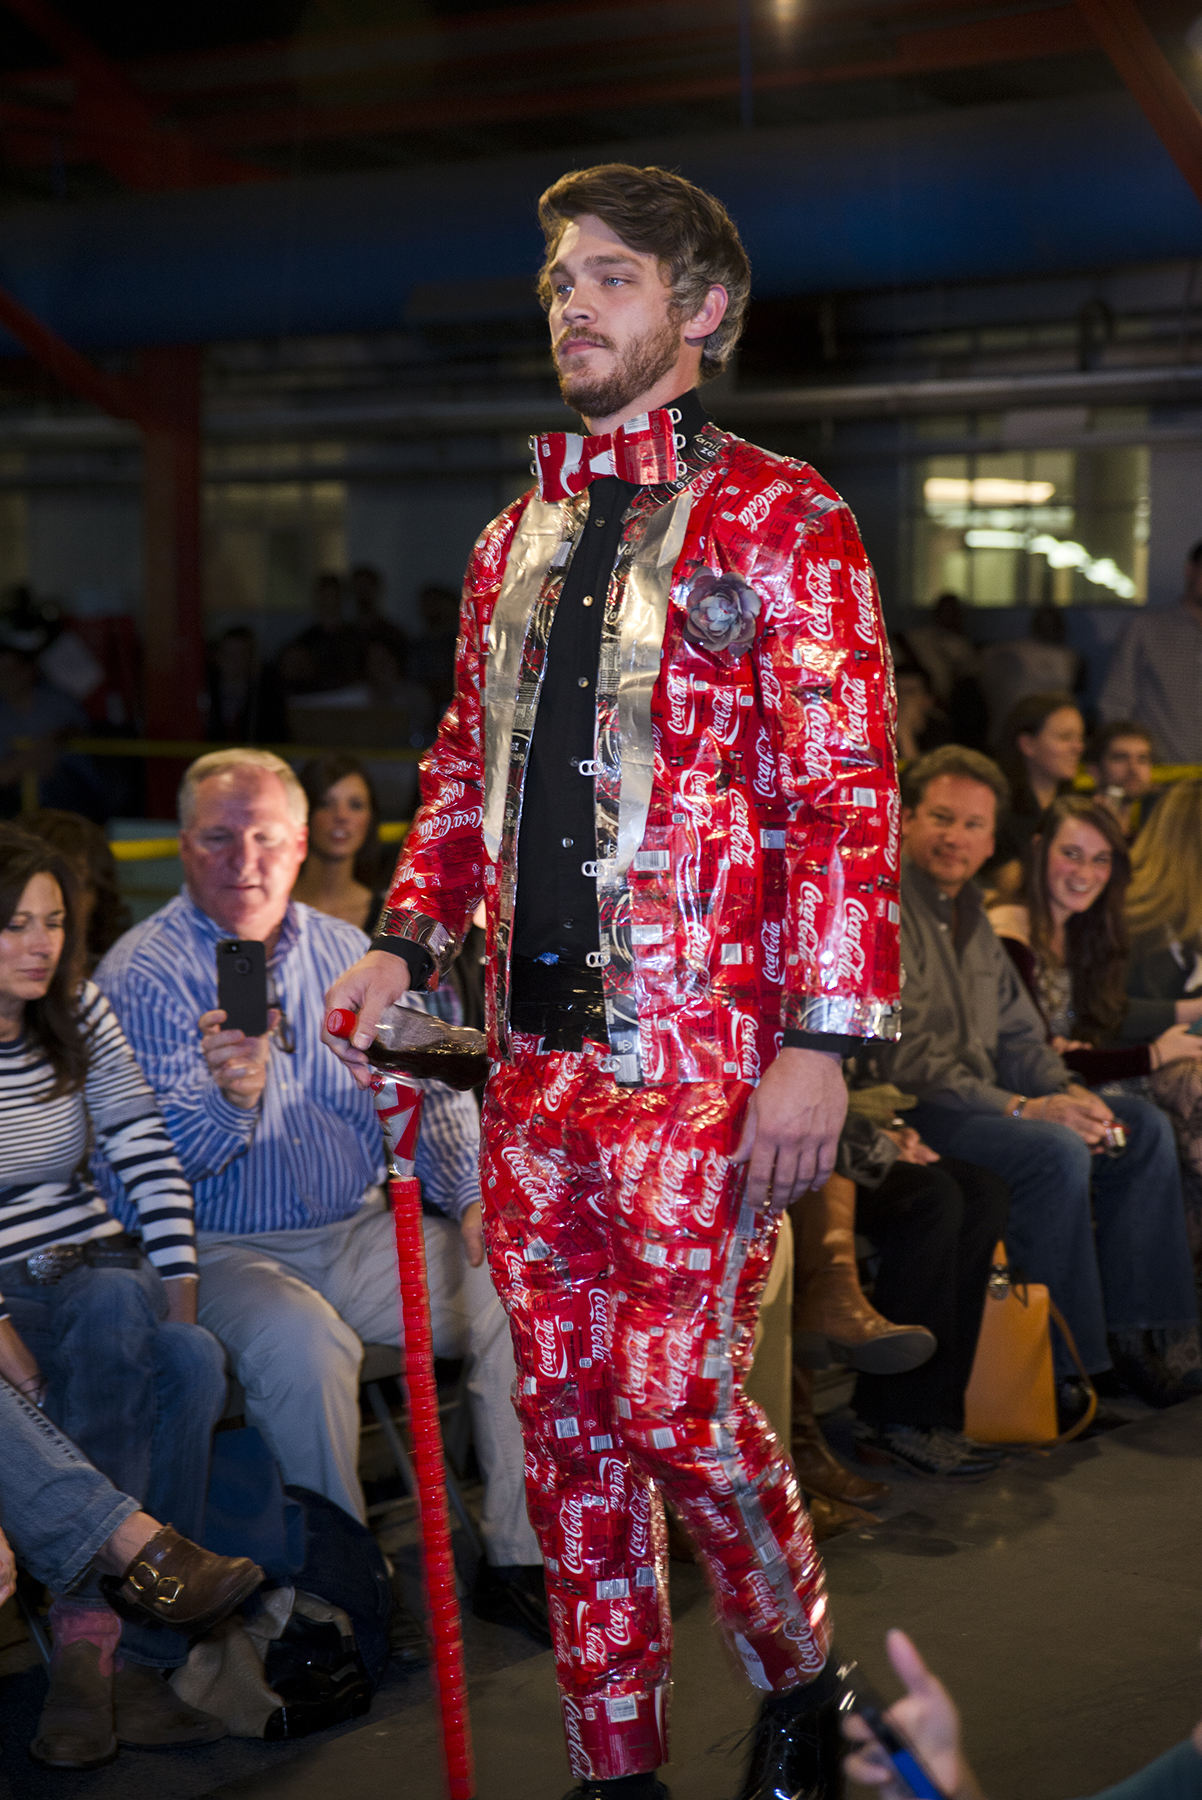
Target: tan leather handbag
x=1011, y=1393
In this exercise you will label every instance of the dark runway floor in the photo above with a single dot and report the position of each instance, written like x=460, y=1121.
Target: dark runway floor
x=1061, y=1599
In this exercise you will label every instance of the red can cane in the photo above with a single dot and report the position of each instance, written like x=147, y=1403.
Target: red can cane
x=399, y=1107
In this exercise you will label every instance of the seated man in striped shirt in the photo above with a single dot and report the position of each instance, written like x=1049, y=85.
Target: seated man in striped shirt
x=297, y=1264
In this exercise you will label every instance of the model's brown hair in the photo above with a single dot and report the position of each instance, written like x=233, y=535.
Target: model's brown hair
x=659, y=214
x=53, y=1021
x=1095, y=941
x=1165, y=901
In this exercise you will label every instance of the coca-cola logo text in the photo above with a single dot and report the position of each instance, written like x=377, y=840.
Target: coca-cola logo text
x=849, y=964
x=855, y=699
x=809, y=900
x=820, y=590
x=861, y=587
x=759, y=506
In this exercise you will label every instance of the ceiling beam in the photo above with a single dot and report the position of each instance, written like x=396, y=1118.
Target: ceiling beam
x=1055, y=30
x=111, y=122
x=1152, y=80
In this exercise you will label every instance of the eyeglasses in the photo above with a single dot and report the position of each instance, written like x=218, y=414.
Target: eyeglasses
x=282, y=1031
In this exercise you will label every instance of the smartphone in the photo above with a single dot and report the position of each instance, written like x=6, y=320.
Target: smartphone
x=861, y=1698
x=1195, y=1030
x=242, y=985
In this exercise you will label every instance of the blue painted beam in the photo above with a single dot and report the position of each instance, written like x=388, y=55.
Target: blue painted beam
x=967, y=194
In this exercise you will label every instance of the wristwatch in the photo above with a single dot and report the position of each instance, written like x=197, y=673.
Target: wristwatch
x=1016, y=1111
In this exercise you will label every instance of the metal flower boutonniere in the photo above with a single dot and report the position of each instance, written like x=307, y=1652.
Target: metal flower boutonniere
x=722, y=611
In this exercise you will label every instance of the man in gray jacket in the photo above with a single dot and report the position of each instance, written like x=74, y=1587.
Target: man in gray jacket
x=991, y=1090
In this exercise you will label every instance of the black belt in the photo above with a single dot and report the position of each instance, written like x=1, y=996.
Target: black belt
x=120, y=1250
x=561, y=1003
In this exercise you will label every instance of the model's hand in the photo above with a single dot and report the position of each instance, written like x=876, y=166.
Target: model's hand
x=927, y=1716
x=237, y=1063
x=182, y=1293
x=1173, y=1044
x=911, y=1146
x=471, y=1230
x=1084, y=1113
x=8, y=1570
x=791, y=1131
x=375, y=982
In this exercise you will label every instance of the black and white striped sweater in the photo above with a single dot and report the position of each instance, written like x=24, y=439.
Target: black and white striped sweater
x=46, y=1195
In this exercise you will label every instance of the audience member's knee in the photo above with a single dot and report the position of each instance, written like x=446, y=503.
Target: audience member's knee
x=300, y=1349
x=193, y=1355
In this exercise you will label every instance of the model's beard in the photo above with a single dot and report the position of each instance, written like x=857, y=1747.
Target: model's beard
x=639, y=366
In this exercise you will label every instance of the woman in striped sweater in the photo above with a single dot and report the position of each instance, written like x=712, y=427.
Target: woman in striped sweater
x=96, y=1327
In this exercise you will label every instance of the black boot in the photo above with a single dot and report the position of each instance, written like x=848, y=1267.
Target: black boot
x=797, y=1751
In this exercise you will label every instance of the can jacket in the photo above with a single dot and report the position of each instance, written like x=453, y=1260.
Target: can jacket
x=746, y=798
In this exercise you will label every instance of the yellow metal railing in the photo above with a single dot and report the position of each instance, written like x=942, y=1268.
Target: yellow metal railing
x=392, y=831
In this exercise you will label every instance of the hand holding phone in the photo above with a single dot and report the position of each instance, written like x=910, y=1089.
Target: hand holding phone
x=242, y=985
x=891, y=1756
x=233, y=1038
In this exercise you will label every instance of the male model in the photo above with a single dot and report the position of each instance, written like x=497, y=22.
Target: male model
x=668, y=771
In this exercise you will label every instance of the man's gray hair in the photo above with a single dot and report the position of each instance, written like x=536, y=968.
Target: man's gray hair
x=218, y=761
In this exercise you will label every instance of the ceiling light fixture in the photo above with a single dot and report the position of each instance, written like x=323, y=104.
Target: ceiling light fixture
x=985, y=490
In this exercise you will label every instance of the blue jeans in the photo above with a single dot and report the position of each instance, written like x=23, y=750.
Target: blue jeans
x=138, y=1396
x=55, y=1509
x=1125, y=1263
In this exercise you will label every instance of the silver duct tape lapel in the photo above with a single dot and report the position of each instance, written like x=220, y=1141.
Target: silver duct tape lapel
x=636, y=614
x=518, y=634
x=531, y=556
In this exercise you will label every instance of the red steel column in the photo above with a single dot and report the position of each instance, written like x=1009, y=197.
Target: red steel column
x=168, y=380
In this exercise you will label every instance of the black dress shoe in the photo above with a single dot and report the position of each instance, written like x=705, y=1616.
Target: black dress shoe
x=1072, y=1401
x=1148, y=1376
x=515, y=1596
x=795, y=1755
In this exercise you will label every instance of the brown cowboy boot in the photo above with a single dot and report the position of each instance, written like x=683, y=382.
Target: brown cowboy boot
x=149, y=1714
x=75, y=1730
x=819, y=1471
x=832, y=1321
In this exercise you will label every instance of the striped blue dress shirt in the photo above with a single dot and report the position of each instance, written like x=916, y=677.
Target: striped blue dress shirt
x=310, y=1149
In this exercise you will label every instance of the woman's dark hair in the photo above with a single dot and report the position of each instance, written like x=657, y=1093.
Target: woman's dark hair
x=86, y=847
x=323, y=773
x=1095, y=941
x=1026, y=720
x=53, y=1021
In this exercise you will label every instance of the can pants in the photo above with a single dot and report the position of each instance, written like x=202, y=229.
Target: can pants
x=631, y=1269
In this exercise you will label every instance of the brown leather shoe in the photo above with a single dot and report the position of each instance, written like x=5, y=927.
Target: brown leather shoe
x=819, y=1470
x=149, y=1715
x=75, y=1730
x=832, y=1320
x=172, y=1581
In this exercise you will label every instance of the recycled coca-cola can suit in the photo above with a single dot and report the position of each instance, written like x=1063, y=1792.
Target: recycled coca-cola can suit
x=746, y=865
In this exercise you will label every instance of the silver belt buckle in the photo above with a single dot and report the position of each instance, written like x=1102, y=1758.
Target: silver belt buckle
x=48, y=1266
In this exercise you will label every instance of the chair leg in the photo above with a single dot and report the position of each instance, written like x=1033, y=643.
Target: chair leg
x=404, y=1463
x=35, y=1624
